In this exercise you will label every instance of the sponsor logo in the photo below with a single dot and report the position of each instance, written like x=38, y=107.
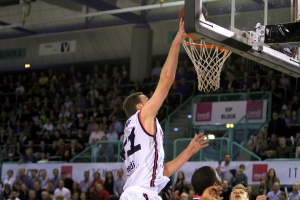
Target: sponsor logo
x=258, y=171
x=203, y=112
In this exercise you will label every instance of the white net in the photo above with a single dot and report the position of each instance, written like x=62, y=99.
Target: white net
x=208, y=61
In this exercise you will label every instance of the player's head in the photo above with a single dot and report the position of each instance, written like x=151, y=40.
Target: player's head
x=239, y=192
x=133, y=103
x=205, y=177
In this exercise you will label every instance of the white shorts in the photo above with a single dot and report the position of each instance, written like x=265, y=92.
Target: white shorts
x=139, y=193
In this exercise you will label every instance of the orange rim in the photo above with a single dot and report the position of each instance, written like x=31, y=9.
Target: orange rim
x=207, y=46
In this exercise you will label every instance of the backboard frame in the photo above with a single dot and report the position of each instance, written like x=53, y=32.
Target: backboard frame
x=215, y=34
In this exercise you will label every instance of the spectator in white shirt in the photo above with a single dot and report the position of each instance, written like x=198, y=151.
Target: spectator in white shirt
x=48, y=126
x=64, y=112
x=68, y=103
x=62, y=190
x=10, y=179
x=20, y=90
x=96, y=135
x=112, y=134
x=44, y=179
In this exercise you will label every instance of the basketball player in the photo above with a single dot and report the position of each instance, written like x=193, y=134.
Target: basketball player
x=143, y=151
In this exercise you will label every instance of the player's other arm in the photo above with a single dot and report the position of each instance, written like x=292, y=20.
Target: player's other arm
x=167, y=77
x=200, y=141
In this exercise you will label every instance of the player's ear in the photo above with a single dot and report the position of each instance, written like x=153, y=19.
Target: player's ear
x=138, y=106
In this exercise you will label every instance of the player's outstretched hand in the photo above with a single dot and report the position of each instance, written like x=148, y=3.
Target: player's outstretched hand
x=181, y=32
x=200, y=141
x=212, y=193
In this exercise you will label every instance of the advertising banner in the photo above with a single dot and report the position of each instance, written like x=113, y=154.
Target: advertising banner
x=229, y=112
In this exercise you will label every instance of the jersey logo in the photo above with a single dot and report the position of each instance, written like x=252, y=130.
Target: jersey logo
x=133, y=148
x=127, y=123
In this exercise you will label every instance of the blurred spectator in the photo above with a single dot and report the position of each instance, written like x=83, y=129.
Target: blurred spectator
x=75, y=189
x=10, y=179
x=92, y=94
x=156, y=71
x=22, y=178
x=285, y=81
x=42, y=149
x=3, y=137
x=240, y=177
x=11, y=139
x=106, y=149
x=66, y=156
x=62, y=190
x=61, y=147
x=20, y=90
x=38, y=190
x=81, y=124
x=251, y=192
x=227, y=169
x=32, y=179
x=274, y=194
x=91, y=125
x=245, y=81
x=47, y=137
x=43, y=80
x=109, y=184
x=18, y=128
x=55, y=178
x=289, y=119
x=117, y=124
x=42, y=158
x=112, y=135
x=48, y=126
x=272, y=147
x=86, y=182
x=64, y=113
x=96, y=178
x=68, y=137
x=182, y=73
x=96, y=135
x=81, y=138
x=50, y=188
x=23, y=193
x=68, y=102
x=226, y=190
x=52, y=149
x=258, y=144
x=184, y=196
x=6, y=191
x=178, y=185
x=104, y=124
x=276, y=125
x=119, y=183
x=68, y=182
x=29, y=157
x=295, y=194
x=277, y=96
x=60, y=124
x=67, y=125
x=147, y=78
x=79, y=113
x=95, y=113
x=79, y=101
x=100, y=193
x=283, y=151
x=45, y=195
x=19, y=149
x=183, y=88
x=270, y=180
x=116, y=100
x=296, y=103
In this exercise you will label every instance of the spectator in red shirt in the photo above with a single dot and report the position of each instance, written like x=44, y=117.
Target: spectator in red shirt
x=100, y=193
x=61, y=148
x=97, y=178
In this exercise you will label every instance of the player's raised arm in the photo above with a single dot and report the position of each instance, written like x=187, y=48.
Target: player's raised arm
x=167, y=77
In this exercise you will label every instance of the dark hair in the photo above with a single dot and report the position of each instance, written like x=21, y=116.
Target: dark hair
x=268, y=177
x=130, y=102
x=203, y=178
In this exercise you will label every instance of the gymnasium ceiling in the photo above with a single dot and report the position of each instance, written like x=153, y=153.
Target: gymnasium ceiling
x=51, y=16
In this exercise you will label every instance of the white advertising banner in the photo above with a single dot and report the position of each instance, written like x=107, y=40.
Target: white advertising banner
x=286, y=171
x=229, y=112
x=57, y=47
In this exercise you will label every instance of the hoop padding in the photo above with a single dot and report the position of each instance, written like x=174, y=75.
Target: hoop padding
x=208, y=61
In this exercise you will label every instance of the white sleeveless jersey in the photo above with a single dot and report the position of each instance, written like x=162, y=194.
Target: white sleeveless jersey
x=143, y=155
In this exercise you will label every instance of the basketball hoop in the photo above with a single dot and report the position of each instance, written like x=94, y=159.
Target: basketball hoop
x=208, y=61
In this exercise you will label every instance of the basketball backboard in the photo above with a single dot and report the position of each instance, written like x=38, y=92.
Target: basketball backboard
x=230, y=19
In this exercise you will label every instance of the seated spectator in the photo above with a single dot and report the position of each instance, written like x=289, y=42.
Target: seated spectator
x=29, y=157
x=79, y=100
x=75, y=189
x=258, y=144
x=68, y=137
x=68, y=182
x=23, y=193
x=10, y=179
x=272, y=147
x=66, y=156
x=81, y=138
x=32, y=179
x=47, y=137
x=96, y=135
x=117, y=124
x=115, y=101
x=245, y=80
x=100, y=193
x=81, y=124
x=106, y=149
x=283, y=151
x=64, y=113
x=42, y=158
x=61, y=190
x=67, y=124
x=46, y=196
x=289, y=118
x=68, y=102
x=92, y=93
x=270, y=181
x=18, y=128
x=91, y=125
x=96, y=178
x=273, y=194
x=52, y=150
x=6, y=191
x=296, y=103
x=295, y=194
x=86, y=182
x=19, y=149
x=38, y=190
x=75, y=148
x=11, y=139
x=276, y=125
x=61, y=147
x=22, y=178
x=41, y=149
x=111, y=135
x=59, y=125
x=50, y=188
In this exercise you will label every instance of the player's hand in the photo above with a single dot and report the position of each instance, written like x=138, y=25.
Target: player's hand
x=212, y=193
x=261, y=197
x=181, y=32
x=200, y=141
